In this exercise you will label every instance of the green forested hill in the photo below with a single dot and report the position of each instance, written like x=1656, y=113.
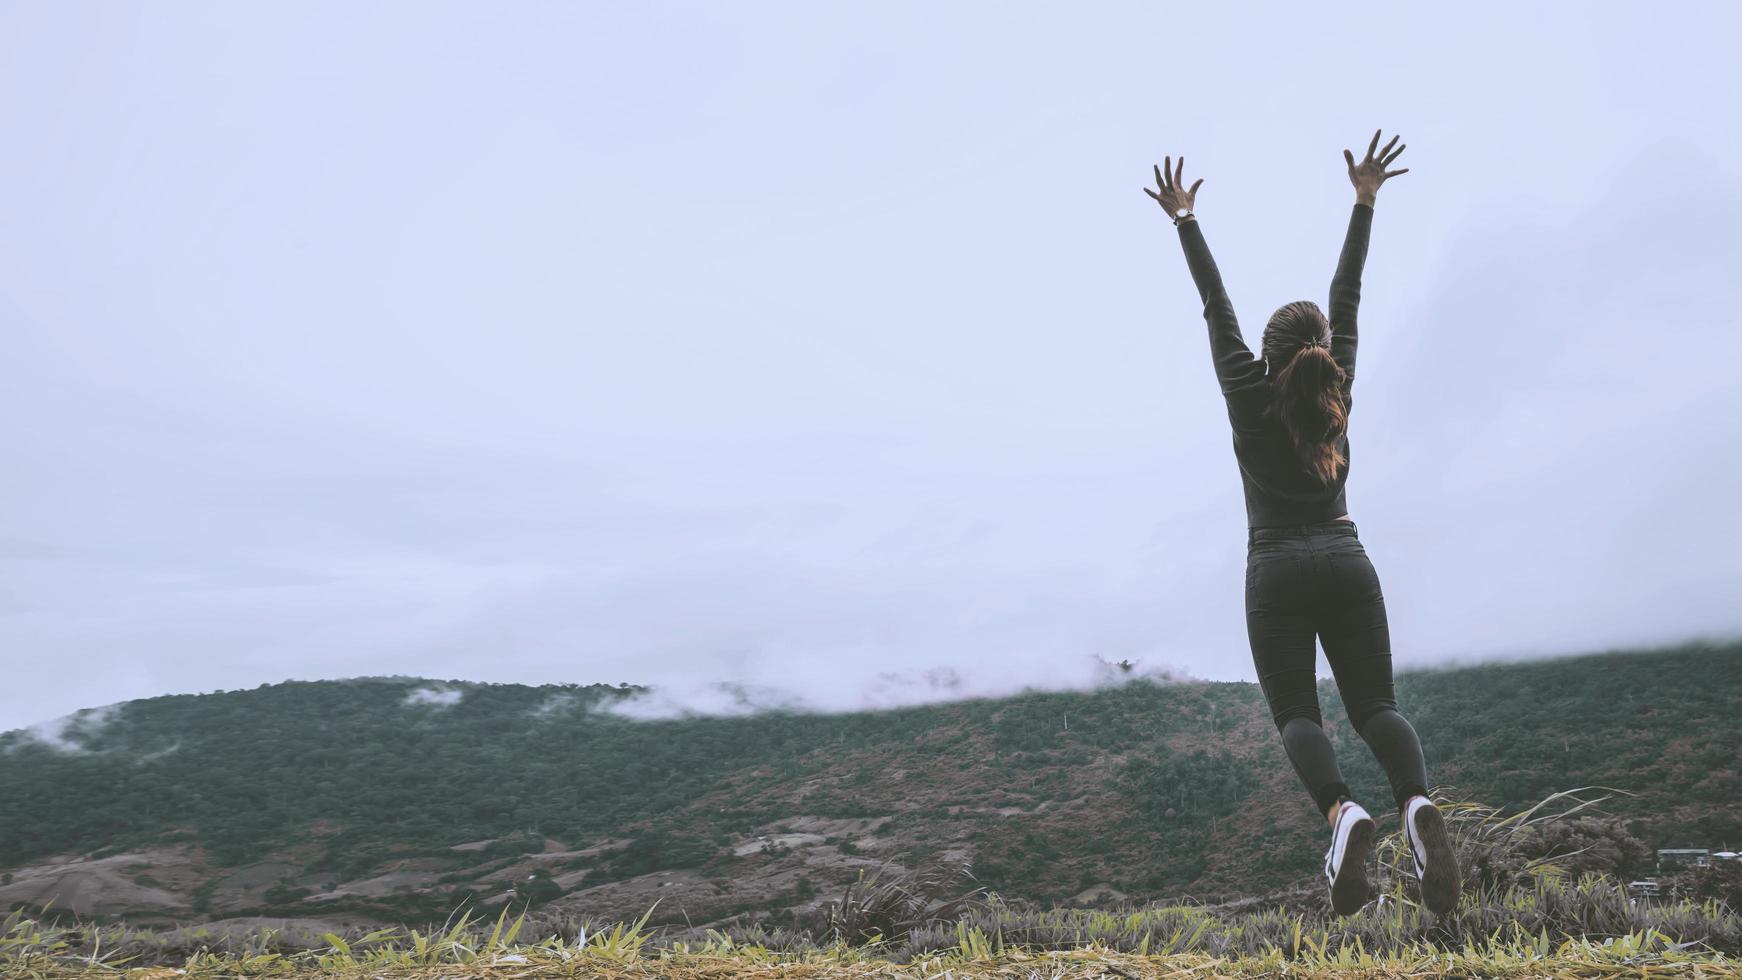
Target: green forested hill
x=1151, y=789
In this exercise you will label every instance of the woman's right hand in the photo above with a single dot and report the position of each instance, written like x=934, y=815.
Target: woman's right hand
x=1370, y=173
x=1171, y=198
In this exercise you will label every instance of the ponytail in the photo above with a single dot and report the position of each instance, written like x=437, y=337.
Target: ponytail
x=1307, y=393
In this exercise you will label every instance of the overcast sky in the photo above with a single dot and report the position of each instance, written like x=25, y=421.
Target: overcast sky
x=833, y=349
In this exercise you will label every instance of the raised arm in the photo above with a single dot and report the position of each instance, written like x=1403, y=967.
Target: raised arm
x=1346, y=289
x=1346, y=282
x=1236, y=367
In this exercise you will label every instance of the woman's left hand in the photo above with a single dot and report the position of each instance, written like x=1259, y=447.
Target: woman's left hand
x=1370, y=173
x=1171, y=198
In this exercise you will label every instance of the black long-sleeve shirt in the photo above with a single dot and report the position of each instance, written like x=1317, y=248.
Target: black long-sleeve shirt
x=1279, y=490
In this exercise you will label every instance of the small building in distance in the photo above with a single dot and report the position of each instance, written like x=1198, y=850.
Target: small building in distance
x=1673, y=859
x=1670, y=859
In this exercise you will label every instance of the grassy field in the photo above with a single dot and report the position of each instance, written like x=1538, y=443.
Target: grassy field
x=625, y=952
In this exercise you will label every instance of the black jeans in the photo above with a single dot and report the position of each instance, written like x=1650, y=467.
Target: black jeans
x=1315, y=581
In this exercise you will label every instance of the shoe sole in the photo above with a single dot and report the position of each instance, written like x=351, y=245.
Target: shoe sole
x=1440, y=883
x=1350, y=891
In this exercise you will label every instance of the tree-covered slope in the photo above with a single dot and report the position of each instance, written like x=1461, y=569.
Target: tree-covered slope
x=1142, y=788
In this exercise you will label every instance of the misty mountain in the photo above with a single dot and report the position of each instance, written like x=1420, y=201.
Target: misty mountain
x=386, y=799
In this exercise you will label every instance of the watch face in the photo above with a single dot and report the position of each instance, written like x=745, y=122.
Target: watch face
x=1182, y=212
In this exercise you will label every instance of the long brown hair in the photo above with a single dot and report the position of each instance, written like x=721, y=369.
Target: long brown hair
x=1306, y=386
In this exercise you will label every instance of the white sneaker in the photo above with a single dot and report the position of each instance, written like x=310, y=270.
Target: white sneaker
x=1346, y=861
x=1417, y=849
x=1436, y=863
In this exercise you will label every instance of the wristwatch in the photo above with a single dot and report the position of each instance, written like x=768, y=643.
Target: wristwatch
x=1181, y=215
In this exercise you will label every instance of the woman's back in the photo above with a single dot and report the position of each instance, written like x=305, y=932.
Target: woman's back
x=1279, y=488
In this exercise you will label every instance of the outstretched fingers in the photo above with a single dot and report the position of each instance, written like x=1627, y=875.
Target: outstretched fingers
x=1160, y=178
x=1373, y=145
x=1161, y=183
x=1387, y=161
x=1169, y=175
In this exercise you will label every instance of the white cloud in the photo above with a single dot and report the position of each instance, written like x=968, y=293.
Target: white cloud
x=865, y=688
x=69, y=732
x=440, y=698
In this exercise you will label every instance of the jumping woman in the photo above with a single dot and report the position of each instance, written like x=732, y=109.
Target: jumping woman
x=1307, y=574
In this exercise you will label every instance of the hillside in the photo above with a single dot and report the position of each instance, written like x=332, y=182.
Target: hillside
x=398, y=799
